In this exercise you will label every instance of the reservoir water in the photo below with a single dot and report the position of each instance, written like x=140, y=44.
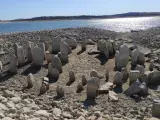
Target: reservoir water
x=117, y=24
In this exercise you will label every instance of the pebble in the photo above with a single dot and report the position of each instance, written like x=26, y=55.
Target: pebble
x=57, y=112
x=42, y=113
x=7, y=93
x=67, y=115
x=7, y=118
x=16, y=99
x=81, y=118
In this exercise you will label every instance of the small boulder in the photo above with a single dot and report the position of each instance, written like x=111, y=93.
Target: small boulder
x=84, y=80
x=113, y=97
x=60, y=91
x=30, y=80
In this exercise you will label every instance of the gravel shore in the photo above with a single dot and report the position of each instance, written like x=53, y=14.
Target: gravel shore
x=24, y=104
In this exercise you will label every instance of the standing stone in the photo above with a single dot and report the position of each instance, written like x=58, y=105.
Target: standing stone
x=141, y=58
x=46, y=45
x=110, y=48
x=92, y=87
x=13, y=64
x=84, y=80
x=125, y=74
x=15, y=48
x=154, y=78
x=60, y=91
x=38, y=56
x=30, y=80
x=54, y=73
x=30, y=46
x=20, y=56
x=42, y=46
x=140, y=68
x=56, y=45
x=83, y=42
x=134, y=57
x=118, y=79
x=48, y=57
x=101, y=45
x=71, y=42
x=56, y=63
x=117, y=60
x=93, y=73
x=69, y=49
x=79, y=87
x=107, y=75
x=134, y=75
x=156, y=108
x=151, y=66
x=106, y=51
x=1, y=66
x=72, y=77
x=50, y=69
x=64, y=51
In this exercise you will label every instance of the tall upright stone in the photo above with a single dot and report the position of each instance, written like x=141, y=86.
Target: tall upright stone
x=20, y=56
x=118, y=79
x=117, y=60
x=56, y=44
x=110, y=48
x=38, y=56
x=83, y=42
x=13, y=64
x=71, y=42
x=125, y=74
x=134, y=57
x=56, y=63
x=30, y=46
x=42, y=46
x=46, y=45
x=134, y=75
x=15, y=46
x=151, y=66
x=140, y=68
x=154, y=78
x=92, y=87
x=64, y=51
x=141, y=58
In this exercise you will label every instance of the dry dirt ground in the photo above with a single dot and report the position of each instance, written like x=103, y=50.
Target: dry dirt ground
x=80, y=64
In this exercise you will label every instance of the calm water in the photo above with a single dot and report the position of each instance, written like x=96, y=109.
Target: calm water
x=119, y=24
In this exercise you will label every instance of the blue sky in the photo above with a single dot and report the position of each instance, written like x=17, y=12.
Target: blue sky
x=12, y=9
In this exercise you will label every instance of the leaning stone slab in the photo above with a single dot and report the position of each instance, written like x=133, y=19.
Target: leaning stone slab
x=30, y=46
x=72, y=77
x=105, y=88
x=54, y=73
x=92, y=87
x=64, y=51
x=156, y=108
x=134, y=57
x=144, y=50
x=13, y=64
x=110, y=48
x=56, y=63
x=154, y=78
x=134, y=75
x=90, y=42
x=38, y=56
x=20, y=56
x=56, y=44
x=118, y=78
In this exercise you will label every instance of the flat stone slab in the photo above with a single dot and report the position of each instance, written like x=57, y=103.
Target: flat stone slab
x=105, y=88
x=144, y=50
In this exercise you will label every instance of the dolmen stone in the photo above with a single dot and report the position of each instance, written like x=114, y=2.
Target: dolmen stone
x=105, y=88
x=92, y=87
x=137, y=88
x=30, y=80
x=79, y=87
x=72, y=77
x=46, y=43
x=125, y=74
x=118, y=79
x=15, y=46
x=56, y=44
x=141, y=58
x=133, y=76
x=102, y=46
x=156, y=108
x=110, y=48
x=30, y=46
x=122, y=57
x=151, y=65
x=53, y=72
x=154, y=78
x=48, y=57
x=1, y=50
x=90, y=42
x=20, y=56
x=140, y=68
x=38, y=56
x=107, y=75
x=64, y=51
x=60, y=91
x=93, y=73
x=83, y=42
x=84, y=80
x=56, y=63
x=13, y=64
x=42, y=46
x=71, y=42
x=134, y=57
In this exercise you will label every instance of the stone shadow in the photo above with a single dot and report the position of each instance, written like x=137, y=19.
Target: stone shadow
x=51, y=79
x=118, y=89
x=89, y=102
x=69, y=83
x=31, y=69
x=93, y=52
x=80, y=52
x=102, y=59
x=6, y=76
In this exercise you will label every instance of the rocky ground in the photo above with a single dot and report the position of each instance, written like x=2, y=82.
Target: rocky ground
x=19, y=103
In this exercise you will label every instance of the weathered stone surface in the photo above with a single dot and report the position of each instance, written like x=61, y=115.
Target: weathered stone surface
x=151, y=66
x=118, y=78
x=15, y=48
x=60, y=91
x=30, y=80
x=50, y=68
x=125, y=74
x=71, y=42
x=84, y=80
x=92, y=87
x=113, y=96
x=136, y=88
x=105, y=88
x=64, y=51
x=56, y=63
x=154, y=78
x=117, y=59
x=13, y=64
x=79, y=87
x=1, y=66
x=106, y=51
x=140, y=68
x=144, y=50
x=7, y=93
x=141, y=58
x=38, y=56
x=42, y=46
x=90, y=42
x=30, y=46
x=156, y=108
x=48, y=57
x=93, y=73
x=110, y=48
x=20, y=56
x=46, y=43
x=134, y=75
x=42, y=113
x=144, y=78
x=57, y=112
x=107, y=75
x=134, y=57
x=56, y=44
x=101, y=45
x=54, y=73
x=72, y=77
x=45, y=85
x=83, y=42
